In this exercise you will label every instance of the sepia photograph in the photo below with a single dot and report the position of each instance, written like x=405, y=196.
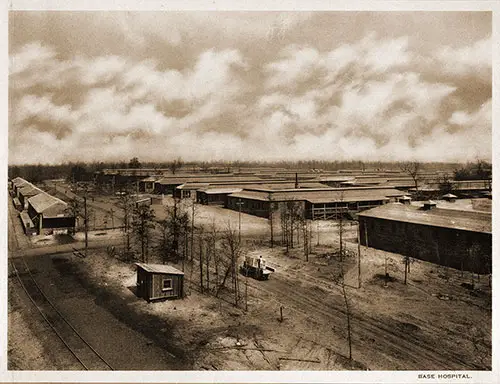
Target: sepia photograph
x=250, y=191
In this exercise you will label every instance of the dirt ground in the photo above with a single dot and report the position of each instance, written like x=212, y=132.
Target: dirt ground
x=435, y=322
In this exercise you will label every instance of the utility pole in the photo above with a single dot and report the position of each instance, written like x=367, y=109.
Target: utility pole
x=192, y=230
x=317, y=230
x=359, y=256
x=112, y=211
x=246, y=290
x=85, y=222
x=239, y=219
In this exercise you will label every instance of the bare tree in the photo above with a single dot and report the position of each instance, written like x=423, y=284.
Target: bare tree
x=134, y=163
x=142, y=225
x=306, y=237
x=232, y=247
x=272, y=209
x=341, y=227
x=212, y=236
x=340, y=280
x=175, y=228
x=412, y=168
x=193, y=213
x=79, y=208
x=200, y=259
x=291, y=214
x=475, y=260
x=176, y=165
x=126, y=204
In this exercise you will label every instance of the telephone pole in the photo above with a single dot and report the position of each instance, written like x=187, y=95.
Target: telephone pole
x=85, y=223
x=240, y=203
x=192, y=229
x=359, y=256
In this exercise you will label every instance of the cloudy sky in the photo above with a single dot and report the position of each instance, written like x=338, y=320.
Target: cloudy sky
x=249, y=85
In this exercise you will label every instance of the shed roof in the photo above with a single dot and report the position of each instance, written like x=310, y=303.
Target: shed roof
x=29, y=190
x=18, y=182
x=473, y=221
x=159, y=268
x=43, y=201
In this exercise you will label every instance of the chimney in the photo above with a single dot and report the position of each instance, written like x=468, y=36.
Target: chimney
x=296, y=181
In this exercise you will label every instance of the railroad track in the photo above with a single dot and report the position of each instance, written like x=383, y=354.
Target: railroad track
x=13, y=242
x=386, y=339
x=77, y=346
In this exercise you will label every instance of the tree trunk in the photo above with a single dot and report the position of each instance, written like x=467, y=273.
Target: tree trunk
x=359, y=259
x=201, y=265
x=207, y=259
x=348, y=314
x=406, y=269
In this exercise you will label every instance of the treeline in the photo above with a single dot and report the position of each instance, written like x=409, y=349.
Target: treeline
x=79, y=171
x=480, y=170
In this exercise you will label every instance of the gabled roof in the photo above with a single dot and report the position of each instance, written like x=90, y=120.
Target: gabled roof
x=473, y=221
x=159, y=268
x=43, y=201
x=19, y=181
x=29, y=190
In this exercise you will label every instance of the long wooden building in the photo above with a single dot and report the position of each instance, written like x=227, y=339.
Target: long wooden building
x=321, y=203
x=453, y=238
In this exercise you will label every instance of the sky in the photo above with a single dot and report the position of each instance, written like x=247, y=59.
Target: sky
x=371, y=86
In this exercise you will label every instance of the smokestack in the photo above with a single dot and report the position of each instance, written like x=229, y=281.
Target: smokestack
x=296, y=181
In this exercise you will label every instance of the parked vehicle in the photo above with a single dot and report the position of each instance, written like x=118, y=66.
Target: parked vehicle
x=256, y=268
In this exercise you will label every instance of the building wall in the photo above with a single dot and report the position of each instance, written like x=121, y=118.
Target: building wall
x=252, y=207
x=212, y=198
x=56, y=225
x=444, y=246
x=167, y=189
x=150, y=285
x=326, y=211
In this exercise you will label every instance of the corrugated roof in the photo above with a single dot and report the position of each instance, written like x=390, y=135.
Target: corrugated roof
x=474, y=221
x=159, y=268
x=44, y=201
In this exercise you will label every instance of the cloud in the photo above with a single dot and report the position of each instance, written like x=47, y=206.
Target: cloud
x=370, y=99
x=475, y=59
x=370, y=55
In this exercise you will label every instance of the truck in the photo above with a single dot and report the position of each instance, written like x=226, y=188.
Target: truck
x=256, y=268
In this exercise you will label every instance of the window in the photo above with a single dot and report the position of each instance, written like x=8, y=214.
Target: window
x=167, y=285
